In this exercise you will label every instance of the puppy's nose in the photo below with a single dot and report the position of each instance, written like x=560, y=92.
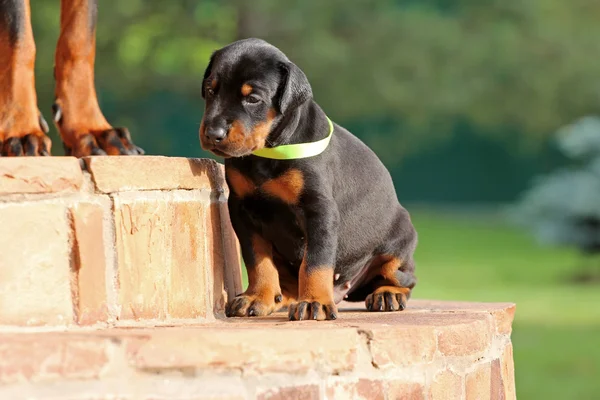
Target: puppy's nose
x=216, y=134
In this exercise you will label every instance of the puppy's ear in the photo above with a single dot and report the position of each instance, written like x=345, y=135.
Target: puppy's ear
x=207, y=74
x=294, y=88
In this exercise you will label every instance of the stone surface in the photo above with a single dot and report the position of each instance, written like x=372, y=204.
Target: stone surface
x=399, y=390
x=35, y=281
x=258, y=349
x=162, y=254
x=177, y=263
x=340, y=389
x=51, y=357
x=368, y=389
x=466, y=337
x=190, y=259
x=90, y=260
x=504, y=319
x=507, y=372
x=446, y=385
x=305, y=392
x=478, y=383
x=118, y=174
x=503, y=313
x=39, y=175
x=402, y=345
x=262, y=358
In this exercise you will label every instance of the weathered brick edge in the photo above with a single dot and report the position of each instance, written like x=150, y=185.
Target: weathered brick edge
x=432, y=351
x=113, y=241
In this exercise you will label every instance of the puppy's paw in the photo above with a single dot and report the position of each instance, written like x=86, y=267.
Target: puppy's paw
x=312, y=309
x=250, y=305
x=387, y=298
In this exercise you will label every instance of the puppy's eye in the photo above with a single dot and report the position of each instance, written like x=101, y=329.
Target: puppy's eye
x=252, y=99
x=210, y=91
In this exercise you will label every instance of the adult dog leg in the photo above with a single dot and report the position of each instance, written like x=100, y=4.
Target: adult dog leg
x=77, y=115
x=22, y=127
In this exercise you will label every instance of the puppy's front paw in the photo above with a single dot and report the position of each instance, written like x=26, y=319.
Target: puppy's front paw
x=387, y=298
x=312, y=309
x=247, y=305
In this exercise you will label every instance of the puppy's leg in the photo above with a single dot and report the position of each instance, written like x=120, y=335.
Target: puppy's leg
x=263, y=295
x=391, y=275
x=316, y=272
x=77, y=115
x=392, y=284
x=22, y=127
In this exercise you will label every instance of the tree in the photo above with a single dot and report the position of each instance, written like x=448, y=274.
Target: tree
x=564, y=207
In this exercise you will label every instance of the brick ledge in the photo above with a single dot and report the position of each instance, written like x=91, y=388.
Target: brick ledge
x=431, y=350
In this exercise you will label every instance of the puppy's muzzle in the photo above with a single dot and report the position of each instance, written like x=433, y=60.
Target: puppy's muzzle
x=216, y=134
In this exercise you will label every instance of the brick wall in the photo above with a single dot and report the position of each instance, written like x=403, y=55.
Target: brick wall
x=115, y=240
x=113, y=277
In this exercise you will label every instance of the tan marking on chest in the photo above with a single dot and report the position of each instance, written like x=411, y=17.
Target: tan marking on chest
x=287, y=187
x=241, y=184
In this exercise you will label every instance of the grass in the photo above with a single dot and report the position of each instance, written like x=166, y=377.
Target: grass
x=556, y=334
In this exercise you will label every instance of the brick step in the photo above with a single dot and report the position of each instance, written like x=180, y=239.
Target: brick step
x=432, y=350
x=114, y=240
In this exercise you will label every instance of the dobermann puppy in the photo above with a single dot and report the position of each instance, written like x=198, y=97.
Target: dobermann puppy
x=313, y=229
x=82, y=126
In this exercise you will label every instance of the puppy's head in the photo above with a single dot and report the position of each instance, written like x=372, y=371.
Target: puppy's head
x=248, y=85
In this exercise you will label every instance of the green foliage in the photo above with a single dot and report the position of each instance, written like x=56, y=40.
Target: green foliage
x=508, y=63
x=495, y=63
x=402, y=74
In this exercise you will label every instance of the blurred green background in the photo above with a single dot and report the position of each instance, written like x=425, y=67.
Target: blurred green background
x=461, y=99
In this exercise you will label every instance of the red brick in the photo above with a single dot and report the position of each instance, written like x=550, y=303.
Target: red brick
x=39, y=175
x=162, y=254
x=504, y=319
x=190, y=259
x=497, y=386
x=446, y=385
x=116, y=174
x=503, y=313
x=304, y=392
x=478, y=383
x=466, y=337
x=459, y=306
x=507, y=372
x=90, y=260
x=44, y=357
x=406, y=345
x=400, y=390
x=267, y=347
x=367, y=389
x=35, y=270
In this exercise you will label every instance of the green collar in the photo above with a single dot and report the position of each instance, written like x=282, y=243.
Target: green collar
x=296, y=151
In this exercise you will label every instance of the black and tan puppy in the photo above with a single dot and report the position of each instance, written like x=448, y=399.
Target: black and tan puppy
x=313, y=229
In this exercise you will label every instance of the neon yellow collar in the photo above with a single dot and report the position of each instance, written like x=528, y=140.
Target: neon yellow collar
x=295, y=151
